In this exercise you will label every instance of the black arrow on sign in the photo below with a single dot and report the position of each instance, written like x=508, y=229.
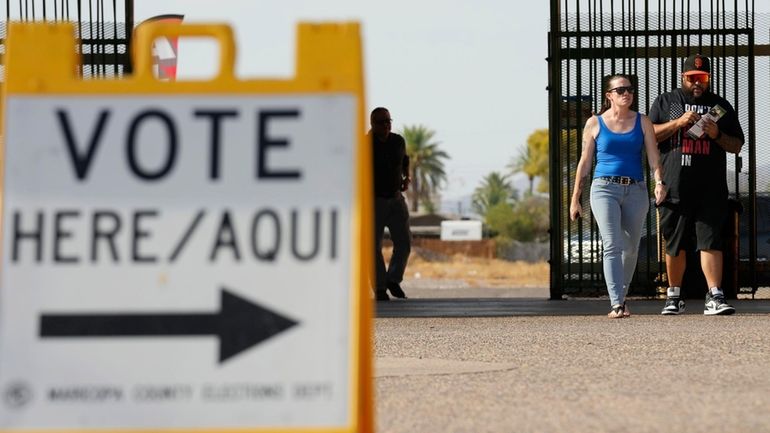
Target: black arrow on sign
x=239, y=325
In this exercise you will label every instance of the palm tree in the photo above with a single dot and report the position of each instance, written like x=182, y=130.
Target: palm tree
x=495, y=188
x=533, y=160
x=426, y=163
x=525, y=163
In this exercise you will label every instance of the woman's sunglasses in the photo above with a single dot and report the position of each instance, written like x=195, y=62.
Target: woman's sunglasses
x=623, y=89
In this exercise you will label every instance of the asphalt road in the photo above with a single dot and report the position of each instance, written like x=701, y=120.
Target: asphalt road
x=567, y=368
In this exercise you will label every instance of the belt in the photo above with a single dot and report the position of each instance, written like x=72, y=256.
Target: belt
x=623, y=180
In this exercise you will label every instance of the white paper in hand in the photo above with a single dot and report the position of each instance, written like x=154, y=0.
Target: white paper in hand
x=715, y=113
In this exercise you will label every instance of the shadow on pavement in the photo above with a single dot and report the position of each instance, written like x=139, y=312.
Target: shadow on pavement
x=504, y=307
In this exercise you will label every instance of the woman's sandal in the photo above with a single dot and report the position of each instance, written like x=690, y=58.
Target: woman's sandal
x=626, y=311
x=616, y=312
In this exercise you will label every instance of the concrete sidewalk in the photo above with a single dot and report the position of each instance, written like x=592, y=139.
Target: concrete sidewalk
x=507, y=364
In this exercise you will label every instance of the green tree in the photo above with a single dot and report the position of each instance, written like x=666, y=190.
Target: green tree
x=533, y=160
x=426, y=164
x=530, y=219
x=525, y=220
x=429, y=206
x=525, y=163
x=495, y=188
x=499, y=219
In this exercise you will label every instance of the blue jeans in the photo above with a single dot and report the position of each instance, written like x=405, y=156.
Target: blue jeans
x=619, y=211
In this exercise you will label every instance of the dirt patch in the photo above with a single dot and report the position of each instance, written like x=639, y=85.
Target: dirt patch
x=473, y=271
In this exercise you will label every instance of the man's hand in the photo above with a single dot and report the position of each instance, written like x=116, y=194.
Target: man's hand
x=660, y=193
x=688, y=119
x=711, y=129
x=405, y=183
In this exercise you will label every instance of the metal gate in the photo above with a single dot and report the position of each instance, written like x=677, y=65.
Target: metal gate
x=103, y=27
x=593, y=39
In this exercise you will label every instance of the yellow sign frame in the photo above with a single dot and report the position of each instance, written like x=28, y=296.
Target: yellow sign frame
x=42, y=59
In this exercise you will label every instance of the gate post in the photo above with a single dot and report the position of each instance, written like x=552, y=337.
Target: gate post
x=554, y=101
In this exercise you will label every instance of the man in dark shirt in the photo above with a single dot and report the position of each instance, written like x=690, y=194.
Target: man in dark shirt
x=391, y=177
x=694, y=166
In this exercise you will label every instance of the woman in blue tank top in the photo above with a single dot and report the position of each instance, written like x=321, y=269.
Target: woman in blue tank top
x=619, y=197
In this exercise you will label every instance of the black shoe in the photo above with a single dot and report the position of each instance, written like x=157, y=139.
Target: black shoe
x=396, y=290
x=674, y=306
x=381, y=296
x=716, y=306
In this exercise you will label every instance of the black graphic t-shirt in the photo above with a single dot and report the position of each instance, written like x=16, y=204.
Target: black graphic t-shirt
x=693, y=168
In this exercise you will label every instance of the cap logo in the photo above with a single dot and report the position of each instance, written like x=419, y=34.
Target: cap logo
x=698, y=63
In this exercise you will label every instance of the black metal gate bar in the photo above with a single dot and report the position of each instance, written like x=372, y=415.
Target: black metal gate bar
x=104, y=45
x=555, y=166
x=752, y=173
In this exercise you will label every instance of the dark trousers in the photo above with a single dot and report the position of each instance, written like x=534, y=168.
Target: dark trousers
x=392, y=213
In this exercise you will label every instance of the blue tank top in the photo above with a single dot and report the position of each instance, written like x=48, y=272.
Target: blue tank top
x=619, y=154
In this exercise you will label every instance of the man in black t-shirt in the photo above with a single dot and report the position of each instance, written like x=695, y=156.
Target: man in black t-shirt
x=695, y=172
x=391, y=178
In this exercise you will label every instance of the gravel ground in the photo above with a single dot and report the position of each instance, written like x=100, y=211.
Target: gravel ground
x=573, y=374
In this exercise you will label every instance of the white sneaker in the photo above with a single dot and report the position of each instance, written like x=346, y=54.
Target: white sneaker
x=716, y=306
x=674, y=306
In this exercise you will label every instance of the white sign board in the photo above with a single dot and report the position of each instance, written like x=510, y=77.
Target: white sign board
x=463, y=230
x=177, y=262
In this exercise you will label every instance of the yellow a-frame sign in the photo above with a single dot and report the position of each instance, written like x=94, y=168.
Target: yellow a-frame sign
x=189, y=255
